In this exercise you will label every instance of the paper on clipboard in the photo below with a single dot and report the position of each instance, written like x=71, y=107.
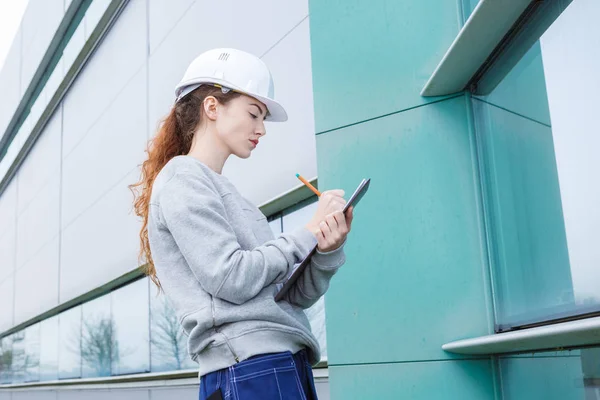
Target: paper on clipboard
x=353, y=201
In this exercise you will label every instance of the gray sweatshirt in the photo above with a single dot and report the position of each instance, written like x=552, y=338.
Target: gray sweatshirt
x=221, y=266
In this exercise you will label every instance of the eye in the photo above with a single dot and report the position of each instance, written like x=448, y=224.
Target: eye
x=253, y=116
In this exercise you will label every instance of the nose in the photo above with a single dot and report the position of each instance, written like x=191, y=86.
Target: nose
x=261, y=130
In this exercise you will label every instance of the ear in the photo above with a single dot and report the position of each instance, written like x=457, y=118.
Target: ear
x=210, y=104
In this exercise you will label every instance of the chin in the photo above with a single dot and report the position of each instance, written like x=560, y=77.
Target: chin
x=243, y=154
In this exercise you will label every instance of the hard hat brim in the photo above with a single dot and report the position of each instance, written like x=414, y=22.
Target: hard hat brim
x=276, y=111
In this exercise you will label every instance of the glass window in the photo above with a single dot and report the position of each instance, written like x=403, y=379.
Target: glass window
x=292, y=219
x=168, y=341
x=98, y=341
x=6, y=360
x=49, y=349
x=275, y=225
x=551, y=375
x=19, y=357
x=69, y=350
x=131, y=311
x=32, y=353
x=536, y=127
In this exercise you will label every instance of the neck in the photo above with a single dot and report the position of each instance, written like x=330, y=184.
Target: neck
x=207, y=148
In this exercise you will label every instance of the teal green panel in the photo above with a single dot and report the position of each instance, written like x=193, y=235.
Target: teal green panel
x=549, y=378
x=371, y=58
x=414, y=277
x=532, y=269
x=523, y=90
x=464, y=380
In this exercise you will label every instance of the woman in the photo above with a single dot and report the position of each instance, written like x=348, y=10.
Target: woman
x=212, y=251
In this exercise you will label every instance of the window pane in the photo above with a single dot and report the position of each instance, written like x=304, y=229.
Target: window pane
x=539, y=144
x=315, y=314
x=6, y=360
x=19, y=357
x=49, y=349
x=168, y=342
x=552, y=375
x=98, y=342
x=299, y=217
x=276, y=226
x=131, y=322
x=32, y=353
x=69, y=351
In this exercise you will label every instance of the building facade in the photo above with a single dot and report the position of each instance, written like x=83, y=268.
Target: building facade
x=472, y=268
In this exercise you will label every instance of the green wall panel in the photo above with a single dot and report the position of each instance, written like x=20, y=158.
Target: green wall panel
x=464, y=380
x=371, y=58
x=414, y=277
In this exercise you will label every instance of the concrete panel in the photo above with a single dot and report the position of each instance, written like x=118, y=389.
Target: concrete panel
x=39, y=222
x=7, y=287
x=374, y=57
x=123, y=394
x=36, y=283
x=121, y=54
x=42, y=162
x=167, y=393
x=40, y=21
x=101, y=244
x=395, y=299
x=290, y=145
x=246, y=27
x=7, y=253
x=8, y=207
x=10, y=86
x=34, y=395
x=111, y=149
x=93, y=15
x=465, y=380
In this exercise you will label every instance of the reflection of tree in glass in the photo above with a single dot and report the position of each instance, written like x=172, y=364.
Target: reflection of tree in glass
x=167, y=337
x=99, y=344
x=6, y=361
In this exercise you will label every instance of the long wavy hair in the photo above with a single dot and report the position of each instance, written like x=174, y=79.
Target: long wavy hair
x=174, y=138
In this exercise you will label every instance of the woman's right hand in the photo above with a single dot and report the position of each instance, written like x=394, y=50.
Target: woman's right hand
x=329, y=202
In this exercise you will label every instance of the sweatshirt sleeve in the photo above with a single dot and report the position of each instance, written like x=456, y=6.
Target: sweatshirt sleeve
x=314, y=281
x=195, y=215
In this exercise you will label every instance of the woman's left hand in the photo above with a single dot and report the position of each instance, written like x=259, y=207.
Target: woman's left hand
x=333, y=230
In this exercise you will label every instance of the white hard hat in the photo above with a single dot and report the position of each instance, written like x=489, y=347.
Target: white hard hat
x=236, y=70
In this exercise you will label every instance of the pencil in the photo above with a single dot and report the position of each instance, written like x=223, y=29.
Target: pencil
x=307, y=183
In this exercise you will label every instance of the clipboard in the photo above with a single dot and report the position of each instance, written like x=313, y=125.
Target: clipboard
x=354, y=199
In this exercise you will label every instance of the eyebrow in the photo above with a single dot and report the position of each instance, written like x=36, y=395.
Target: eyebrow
x=257, y=106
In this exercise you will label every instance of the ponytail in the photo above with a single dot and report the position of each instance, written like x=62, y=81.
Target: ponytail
x=174, y=138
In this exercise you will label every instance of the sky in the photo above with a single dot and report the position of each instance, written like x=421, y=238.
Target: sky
x=11, y=12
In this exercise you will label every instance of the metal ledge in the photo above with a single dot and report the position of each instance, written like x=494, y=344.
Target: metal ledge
x=487, y=25
x=566, y=335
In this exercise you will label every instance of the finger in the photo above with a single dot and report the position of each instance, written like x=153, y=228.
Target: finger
x=349, y=217
x=325, y=229
x=332, y=221
x=341, y=221
x=320, y=238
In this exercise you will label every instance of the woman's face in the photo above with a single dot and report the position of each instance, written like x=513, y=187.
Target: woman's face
x=240, y=124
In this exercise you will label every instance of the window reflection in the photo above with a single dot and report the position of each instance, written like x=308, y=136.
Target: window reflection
x=168, y=341
x=540, y=167
x=293, y=219
x=49, y=349
x=6, y=360
x=131, y=320
x=69, y=352
x=569, y=375
x=98, y=342
x=19, y=357
x=32, y=353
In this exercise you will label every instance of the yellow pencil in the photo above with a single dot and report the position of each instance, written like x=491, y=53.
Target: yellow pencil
x=307, y=183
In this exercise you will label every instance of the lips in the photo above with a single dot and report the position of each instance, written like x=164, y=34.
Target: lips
x=255, y=142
